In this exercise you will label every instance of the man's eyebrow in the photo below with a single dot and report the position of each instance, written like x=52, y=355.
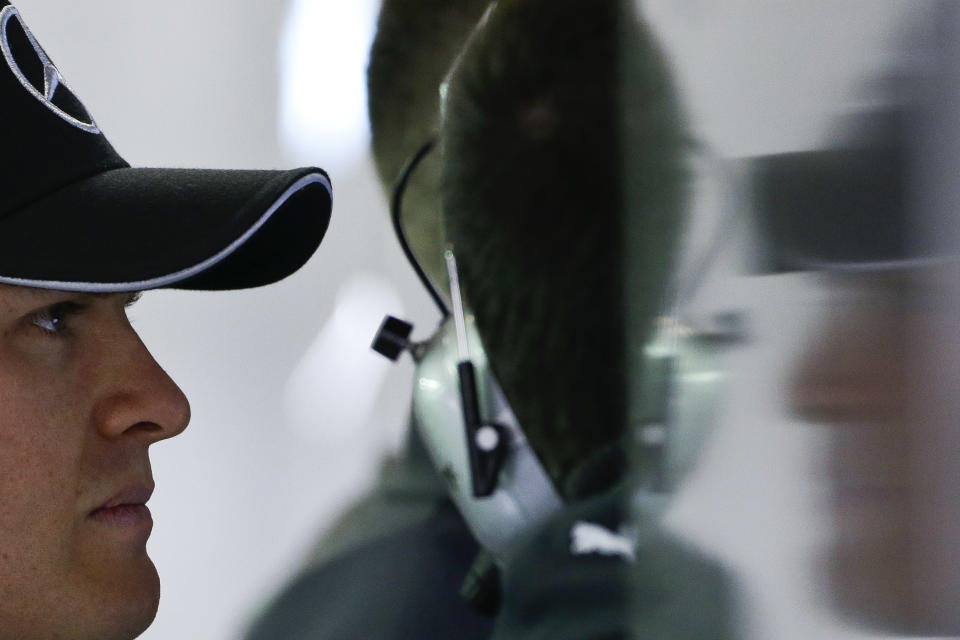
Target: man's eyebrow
x=132, y=297
x=129, y=298
x=41, y=295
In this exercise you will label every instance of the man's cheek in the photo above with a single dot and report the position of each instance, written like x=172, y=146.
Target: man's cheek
x=38, y=452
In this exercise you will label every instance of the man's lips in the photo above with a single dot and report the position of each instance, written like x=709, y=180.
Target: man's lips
x=131, y=494
x=126, y=508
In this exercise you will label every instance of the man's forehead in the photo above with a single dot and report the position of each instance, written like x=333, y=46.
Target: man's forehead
x=42, y=295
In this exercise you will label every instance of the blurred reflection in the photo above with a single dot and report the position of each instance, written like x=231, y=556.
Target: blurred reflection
x=854, y=380
x=842, y=210
x=874, y=213
x=874, y=376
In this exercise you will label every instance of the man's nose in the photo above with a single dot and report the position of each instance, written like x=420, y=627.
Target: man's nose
x=139, y=397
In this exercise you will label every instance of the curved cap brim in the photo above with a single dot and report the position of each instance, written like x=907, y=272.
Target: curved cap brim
x=132, y=229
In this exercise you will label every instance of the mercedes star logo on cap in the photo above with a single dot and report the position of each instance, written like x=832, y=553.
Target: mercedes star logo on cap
x=52, y=80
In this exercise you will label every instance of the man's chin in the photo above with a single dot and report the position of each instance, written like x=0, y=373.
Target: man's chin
x=144, y=608
x=130, y=606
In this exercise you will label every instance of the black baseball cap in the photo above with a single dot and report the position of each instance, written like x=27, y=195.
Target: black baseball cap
x=75, y=216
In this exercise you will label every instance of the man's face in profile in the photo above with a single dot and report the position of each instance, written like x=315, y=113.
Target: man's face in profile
x=854, y=380
x=81, y=400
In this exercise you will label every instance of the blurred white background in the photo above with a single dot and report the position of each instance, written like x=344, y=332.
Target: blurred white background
x=292, y=409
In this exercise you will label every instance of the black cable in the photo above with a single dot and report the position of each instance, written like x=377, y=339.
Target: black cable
x=396, y=204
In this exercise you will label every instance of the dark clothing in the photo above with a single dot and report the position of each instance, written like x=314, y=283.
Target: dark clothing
x=655, y=589
x=390, y=569
x=401, y=585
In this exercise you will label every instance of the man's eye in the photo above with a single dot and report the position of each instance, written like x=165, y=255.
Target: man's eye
x=55, y=319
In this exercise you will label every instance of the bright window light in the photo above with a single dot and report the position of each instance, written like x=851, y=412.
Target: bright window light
x=323, y=96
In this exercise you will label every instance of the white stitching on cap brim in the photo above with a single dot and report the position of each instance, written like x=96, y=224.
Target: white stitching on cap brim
x=183, y=274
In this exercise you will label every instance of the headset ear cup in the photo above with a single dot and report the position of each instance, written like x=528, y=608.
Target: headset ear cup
x=524, y=495
x=677, y=409
x=650, y=423
x=652, y=432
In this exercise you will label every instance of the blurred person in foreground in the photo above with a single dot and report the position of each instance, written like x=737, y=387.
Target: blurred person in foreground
x=81, y=398
x=566, y=186
x=558, y=176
